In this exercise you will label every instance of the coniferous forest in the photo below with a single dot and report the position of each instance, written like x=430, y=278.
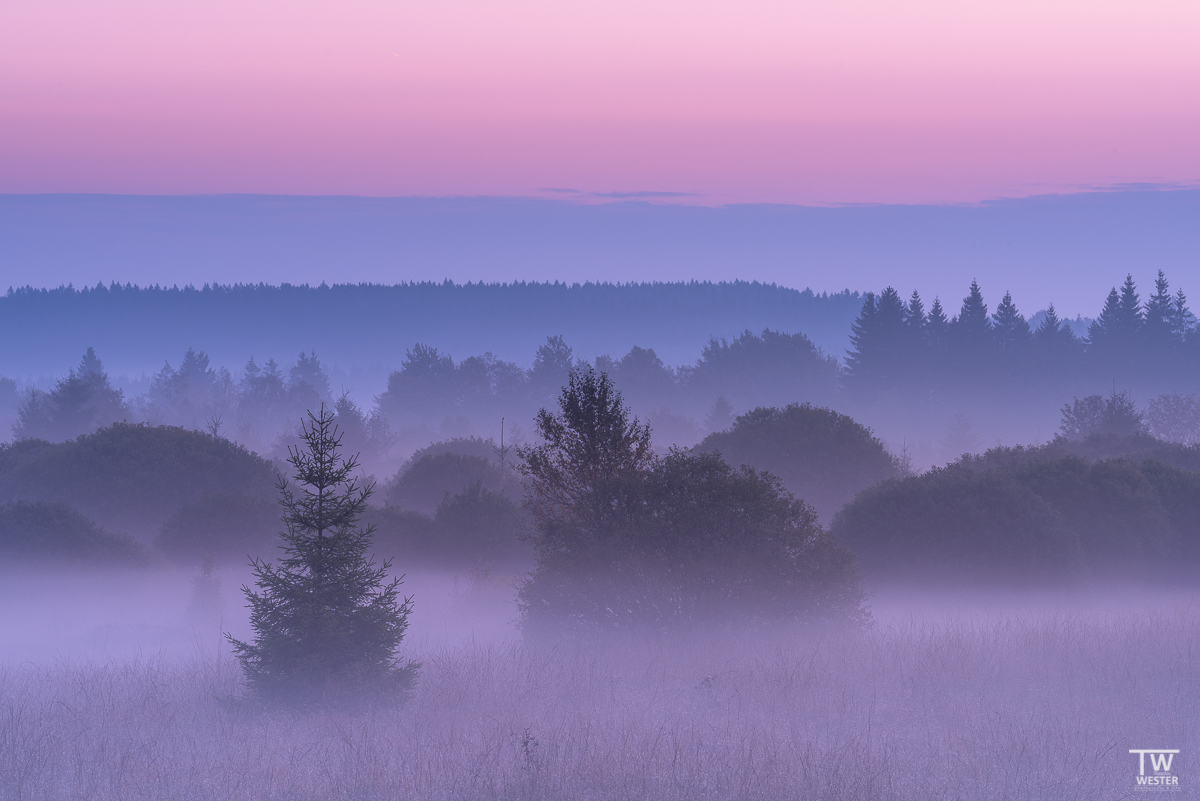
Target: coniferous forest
x=933, y=379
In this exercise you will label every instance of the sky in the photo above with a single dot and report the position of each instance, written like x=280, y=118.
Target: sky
x=1066, y=249
x=755, y=101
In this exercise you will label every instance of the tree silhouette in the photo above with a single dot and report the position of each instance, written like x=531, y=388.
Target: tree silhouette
x=588, y=447
x=1159, y=308
x=324, y=617
x=80, y=403
x=1117, y=415
x=1011, y=330
x=625, y=539
x=971, y=340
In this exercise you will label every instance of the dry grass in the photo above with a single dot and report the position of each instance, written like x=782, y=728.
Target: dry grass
x=1042, y=708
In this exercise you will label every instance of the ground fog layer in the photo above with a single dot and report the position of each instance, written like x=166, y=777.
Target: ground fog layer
x=1031, y=707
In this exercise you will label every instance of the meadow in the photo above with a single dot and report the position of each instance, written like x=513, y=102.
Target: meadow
x=932, y=701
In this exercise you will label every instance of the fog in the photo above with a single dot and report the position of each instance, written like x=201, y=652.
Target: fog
x=109, y=690
x=959, y=562
x=90, y=617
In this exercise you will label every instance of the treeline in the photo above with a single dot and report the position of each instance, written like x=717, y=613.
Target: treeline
x=430, y=392
x=910, y=369
x=900, y=348
x=366, y=327
x=255, y=408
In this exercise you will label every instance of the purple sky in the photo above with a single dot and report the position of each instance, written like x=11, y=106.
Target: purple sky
x=756, y=101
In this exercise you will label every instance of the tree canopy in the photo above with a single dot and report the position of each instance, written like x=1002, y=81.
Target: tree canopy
x=626, y=539
x=1028, y=515
x=56, y=534
x=132, y=477
x=818, y=454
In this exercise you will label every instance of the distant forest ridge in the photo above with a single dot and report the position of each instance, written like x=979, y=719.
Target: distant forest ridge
x=371, y=326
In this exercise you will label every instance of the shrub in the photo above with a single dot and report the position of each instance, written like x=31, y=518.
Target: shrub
x=1116, y=414
x=473, y=528
x=1008, y=517
x=132, y=477
x=820, y=455
x=56, y=533
x=954, y=524
x=224, y=528
x=432, y=477
x=480, y=526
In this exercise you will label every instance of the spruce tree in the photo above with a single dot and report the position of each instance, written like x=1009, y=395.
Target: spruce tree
x=972, y=342
x=972, y=320
x=937, y=337
x=1055, y=351
x=1182, y=320
x=861, y=360
x=1159, y=307
x=916, y=362
x=879, y=337
x=325, y=618
x=80, y=403
x=1054, y=335
x=1105, y=328
x=937, y=326
x=1012, y=331
x=1130, y=318
x=914, y=317
x=1117, y=335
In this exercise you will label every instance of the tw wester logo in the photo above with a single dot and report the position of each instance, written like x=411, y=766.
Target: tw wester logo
x=1160, y=776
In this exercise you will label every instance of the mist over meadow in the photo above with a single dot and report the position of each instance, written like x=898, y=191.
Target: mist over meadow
x=612, y=401
x=938, y=548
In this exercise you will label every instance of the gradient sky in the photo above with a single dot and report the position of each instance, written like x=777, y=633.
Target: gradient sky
x=755, y=100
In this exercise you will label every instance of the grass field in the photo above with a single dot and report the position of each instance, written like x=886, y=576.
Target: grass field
x=1032, y=706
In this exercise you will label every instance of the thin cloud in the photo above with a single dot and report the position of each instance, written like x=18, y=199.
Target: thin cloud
x=628, y=195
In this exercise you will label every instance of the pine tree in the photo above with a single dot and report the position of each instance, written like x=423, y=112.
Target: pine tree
x=1053, y=334
x=323, y=617
x=1159, y=307
x=1117, y=335
x=914, y=317
x=972, y=319
x=551, y=366
x=1104, y=328
x=307, y=381
x=937, y=337
x=864, y=334
x=1182, y=320
x=588, y=451
x=937, y=326
x=80, y=403
x=971, y=342
x=1115, y=415
x=1011, y=329
x=915, y=364
x=1055, y=350
x=879, y=337
x=1130, y=318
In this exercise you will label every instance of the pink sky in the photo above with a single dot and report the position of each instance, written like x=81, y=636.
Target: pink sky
x=756, y=100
